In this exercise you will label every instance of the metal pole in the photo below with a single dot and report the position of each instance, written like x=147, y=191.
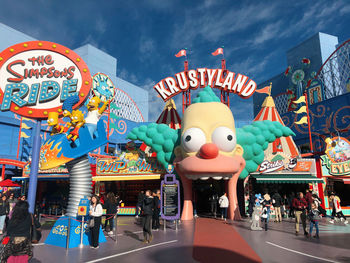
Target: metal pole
x=33, y=177
x=19, y=137
x=308, y=122
x=164, y=224
x=109, y=114
x=81, y=232
x=68, y=233
x=115, y=227
x=175, y=224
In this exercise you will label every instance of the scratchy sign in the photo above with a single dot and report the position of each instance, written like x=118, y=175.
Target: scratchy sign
x=36, y=77
x=202, y=77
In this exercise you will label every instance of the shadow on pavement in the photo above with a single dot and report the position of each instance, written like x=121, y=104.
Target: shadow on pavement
x=132, y=235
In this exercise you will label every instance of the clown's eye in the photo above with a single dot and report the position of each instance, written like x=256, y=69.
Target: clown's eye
x=193, y=139
x=224, y=138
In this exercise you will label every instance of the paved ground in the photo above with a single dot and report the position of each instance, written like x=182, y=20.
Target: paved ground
x=278, y=244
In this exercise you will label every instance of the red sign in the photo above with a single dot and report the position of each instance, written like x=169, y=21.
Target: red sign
x=202, y=77
x=36, y=77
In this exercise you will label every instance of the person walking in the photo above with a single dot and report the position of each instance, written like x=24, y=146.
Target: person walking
x=267, y=202
x=337, y=208
x=314, y=216
x=4, y=210
x=19, y=248
x=111, y=207
x=12, y=202
x=140, y=198
x=147, y=212
x=95, y=212
x=223, y=202
x=300, y=206
x=264, y=215
x=285, y=206
x=277, y=203
x=291, y=208
x=308, y=198
x=213, y=201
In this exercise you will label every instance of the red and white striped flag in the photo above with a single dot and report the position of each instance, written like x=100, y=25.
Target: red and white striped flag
x=218, y=52
x=181, y=53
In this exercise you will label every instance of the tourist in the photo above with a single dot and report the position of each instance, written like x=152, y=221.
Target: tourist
x=314, y=215
x=264, y=214
x=285, y=206
x=277, y=203
x=12, y=202
x=300, y=206
x=111, y=207
x=251, y=204
x=4, y=210
x=22, y=197
x=140, y=198
x=308, y=198
x=223, y=202
x=213, y=201
x=147, y=212
x=156, y=210
x=95, y=214
x=19, y=247
x=337, y=208
x=290, y=202
x=266, y=202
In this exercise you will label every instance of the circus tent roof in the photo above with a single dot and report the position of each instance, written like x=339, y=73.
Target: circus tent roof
x=284, y=146
x=170, y=117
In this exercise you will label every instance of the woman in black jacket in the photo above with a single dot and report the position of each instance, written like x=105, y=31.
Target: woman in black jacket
x=111, y=207
x=19, y=232
x=147, y=212
x=4, y=210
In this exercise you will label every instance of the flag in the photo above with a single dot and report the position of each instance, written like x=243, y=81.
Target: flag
x=300, y=100
x=301, y=110
x=218, y=52
x=181, y=53
x=24, y=135
x=306, y=61
x=286, y=72
x=303, y=120
x=25, y=126
x=265, y=90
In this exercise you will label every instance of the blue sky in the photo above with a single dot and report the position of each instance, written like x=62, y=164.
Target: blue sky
x=145, y=35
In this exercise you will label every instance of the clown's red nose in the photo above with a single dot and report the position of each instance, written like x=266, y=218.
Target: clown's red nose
x=209, y=151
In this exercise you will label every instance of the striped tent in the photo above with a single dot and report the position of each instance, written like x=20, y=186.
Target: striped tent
x=283, y=146
x=168, y=116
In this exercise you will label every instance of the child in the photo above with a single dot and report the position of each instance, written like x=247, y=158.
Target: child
x=264, y=216
x=314, y=216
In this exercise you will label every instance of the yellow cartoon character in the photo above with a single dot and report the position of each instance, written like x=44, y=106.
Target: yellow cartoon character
x=52, y=121
x=77, y=121
x=94, y=113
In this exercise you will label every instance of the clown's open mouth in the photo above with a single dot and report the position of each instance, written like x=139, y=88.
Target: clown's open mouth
x=206, y=176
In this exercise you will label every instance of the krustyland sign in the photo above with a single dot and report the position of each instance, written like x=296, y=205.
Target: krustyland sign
x=337, y=159
x=202, y=77
x=36, y=77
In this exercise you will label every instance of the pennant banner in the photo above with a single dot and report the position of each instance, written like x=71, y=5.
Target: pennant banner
x=301, y=110
x=25, y=126
x=303, y=120
x=24, y=135
x=265, y=90
x=300, y=100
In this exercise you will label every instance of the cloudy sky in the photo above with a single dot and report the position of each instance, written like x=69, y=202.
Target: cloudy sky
x=145, y=35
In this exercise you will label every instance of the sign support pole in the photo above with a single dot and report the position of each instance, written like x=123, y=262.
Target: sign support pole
x=308, y=121
x=81, y=232
x=19, y=137
x=33, y=177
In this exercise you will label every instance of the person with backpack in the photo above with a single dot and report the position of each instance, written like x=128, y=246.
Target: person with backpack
x=314, y=216
x=337, y=210
x=156, y=210
x=140, y=198
x=111, y=207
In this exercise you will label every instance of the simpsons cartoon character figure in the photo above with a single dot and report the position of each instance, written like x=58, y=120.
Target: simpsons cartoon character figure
x=94, y=113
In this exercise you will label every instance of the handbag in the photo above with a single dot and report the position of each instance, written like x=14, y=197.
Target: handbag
x=35, y=233
x=91, y=222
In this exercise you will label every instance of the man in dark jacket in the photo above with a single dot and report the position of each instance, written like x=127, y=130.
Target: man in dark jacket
x=156, y=210
x=300, y=205
x=4, y=210
x=277, y=203
x=147, y=212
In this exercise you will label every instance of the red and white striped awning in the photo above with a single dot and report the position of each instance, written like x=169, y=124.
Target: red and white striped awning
x=285, y=145
x=168, y=116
